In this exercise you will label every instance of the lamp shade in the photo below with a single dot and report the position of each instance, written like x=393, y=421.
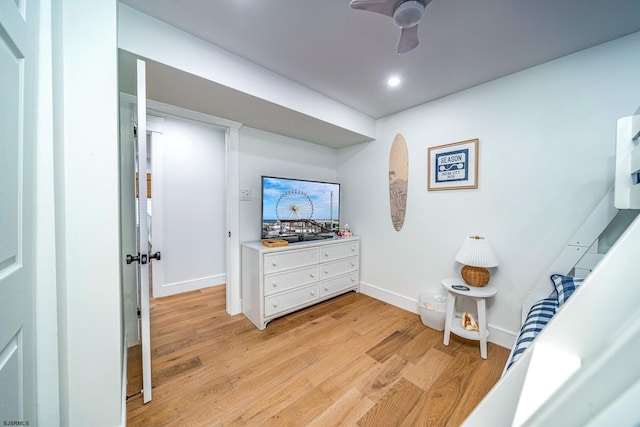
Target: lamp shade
x=475, y=251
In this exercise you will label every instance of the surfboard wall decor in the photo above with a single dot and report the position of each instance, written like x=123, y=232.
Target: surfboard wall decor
x=398, y=181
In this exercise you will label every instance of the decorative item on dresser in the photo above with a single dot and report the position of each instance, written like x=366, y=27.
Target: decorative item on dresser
x=476, y=255
x=279, y=280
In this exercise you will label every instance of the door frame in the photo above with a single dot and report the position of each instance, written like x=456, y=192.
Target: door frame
x=231, y=128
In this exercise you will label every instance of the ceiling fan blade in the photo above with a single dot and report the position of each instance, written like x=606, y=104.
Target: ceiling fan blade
x=408, y=39
x=385, y=7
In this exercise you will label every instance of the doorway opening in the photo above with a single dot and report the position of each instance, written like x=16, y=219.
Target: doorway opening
x=173, y=190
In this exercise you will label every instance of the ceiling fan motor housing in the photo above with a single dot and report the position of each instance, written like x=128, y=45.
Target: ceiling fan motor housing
x=408, y=14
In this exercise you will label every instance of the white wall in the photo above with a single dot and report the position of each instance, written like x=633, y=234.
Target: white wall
x=193, y=205
x=263, y=153
x=85, y=122
x=545, y=160
x=148, y=37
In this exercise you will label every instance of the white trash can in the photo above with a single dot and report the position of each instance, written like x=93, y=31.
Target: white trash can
x=432, y=310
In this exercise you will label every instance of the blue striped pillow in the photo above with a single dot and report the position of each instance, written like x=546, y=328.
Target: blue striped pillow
x=565, y=286
x=538, y=317
x=541, y=313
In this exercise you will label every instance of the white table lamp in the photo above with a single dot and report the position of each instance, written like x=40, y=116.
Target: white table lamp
x=476, y=255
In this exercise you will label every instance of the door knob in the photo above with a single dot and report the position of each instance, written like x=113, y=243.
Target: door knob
x=142, y=259
x=130, y=258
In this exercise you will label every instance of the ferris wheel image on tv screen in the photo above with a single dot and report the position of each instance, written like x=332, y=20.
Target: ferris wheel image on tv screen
x=294, y=205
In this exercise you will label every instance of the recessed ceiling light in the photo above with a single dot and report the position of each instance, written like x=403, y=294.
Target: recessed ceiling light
x=393, y=81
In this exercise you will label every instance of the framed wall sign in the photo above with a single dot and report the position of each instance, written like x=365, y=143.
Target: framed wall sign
x=453, y=166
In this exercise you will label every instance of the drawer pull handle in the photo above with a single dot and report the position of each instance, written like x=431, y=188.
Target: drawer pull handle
x=275, y=304
x=353, y=264
x=353, y=249
x=312, y=275
x=326, y=254
x=312, y=292
x=326, y=288
x=275, y=284
x=353, y=279
x=326, y=272
x=274, y=263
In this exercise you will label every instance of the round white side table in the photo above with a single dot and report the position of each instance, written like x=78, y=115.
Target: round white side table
x=456, y=287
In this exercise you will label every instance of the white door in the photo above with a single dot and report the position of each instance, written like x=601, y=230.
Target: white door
x=18, y=65
x=143, y=229
x=135, y=223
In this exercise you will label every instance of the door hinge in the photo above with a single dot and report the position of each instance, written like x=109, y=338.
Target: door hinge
x=229, y=234
x=135, y=130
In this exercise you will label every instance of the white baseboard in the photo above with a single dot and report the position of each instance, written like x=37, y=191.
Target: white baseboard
x=501, y=337
x=193, y=285
x=389, y=297
x=497, y=335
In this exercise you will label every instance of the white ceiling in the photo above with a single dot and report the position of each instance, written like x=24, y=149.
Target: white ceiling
x=349, y=54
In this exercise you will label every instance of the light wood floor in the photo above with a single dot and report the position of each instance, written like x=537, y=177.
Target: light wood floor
x=350, y=361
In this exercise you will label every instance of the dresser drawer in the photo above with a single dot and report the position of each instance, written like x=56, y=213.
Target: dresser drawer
x=280, y=302
x=336, y=268
x=291, y=279
x=341, y=250
x=328, y=287
x=279, y=280
x=289, y=259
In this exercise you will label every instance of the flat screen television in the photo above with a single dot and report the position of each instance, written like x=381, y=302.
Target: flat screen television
x=298, y=209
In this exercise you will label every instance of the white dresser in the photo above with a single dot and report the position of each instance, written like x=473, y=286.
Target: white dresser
x=280, y=280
